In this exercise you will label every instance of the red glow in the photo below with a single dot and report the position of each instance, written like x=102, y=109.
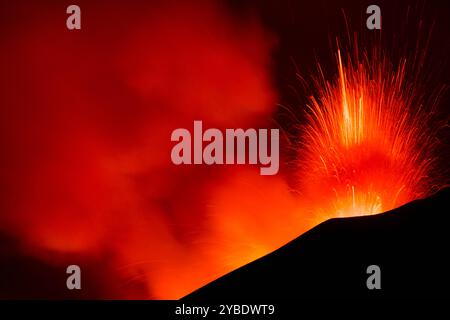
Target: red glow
x=86, y=118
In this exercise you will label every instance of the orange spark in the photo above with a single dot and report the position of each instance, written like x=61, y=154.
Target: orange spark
x=366, y=147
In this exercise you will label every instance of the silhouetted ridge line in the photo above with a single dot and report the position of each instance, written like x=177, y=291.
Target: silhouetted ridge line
x=409, y=244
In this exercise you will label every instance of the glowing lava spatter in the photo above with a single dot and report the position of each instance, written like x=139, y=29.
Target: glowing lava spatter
x=367, y=147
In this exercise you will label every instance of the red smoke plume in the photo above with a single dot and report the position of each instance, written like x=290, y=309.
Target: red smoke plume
x=86, y=118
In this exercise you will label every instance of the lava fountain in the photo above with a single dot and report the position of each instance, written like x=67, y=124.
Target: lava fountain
x=367, y=145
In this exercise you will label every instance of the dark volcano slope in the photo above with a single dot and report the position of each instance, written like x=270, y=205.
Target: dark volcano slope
x=409, y=244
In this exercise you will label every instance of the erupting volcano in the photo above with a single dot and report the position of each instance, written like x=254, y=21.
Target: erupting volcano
x=86, y=118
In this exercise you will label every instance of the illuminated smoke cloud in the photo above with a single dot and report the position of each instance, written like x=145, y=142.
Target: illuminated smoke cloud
x=86, y=118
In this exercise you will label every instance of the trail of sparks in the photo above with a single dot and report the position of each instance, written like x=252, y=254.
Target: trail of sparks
x=366, y=147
